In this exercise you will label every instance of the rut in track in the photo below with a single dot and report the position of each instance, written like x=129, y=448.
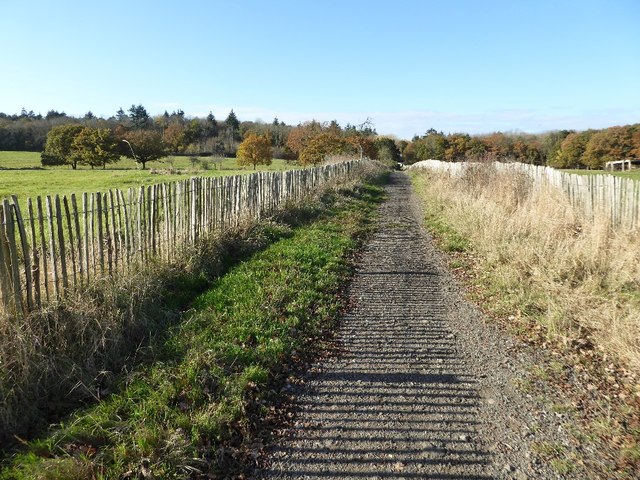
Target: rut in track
x=421, y=387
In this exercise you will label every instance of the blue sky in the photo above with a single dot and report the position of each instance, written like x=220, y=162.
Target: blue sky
x=454, y=65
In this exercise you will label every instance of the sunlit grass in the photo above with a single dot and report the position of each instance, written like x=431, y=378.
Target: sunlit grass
x=22, y=174
x=635, y=173
x=193, y=408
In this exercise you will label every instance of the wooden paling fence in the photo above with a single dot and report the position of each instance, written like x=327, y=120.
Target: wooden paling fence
x=51, y=245
x=617, y=198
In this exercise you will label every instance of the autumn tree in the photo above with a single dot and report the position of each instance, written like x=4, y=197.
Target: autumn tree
x=320, y=146
x=96, y=147
x=571, y=150
x=499, y=146
x=362, y=138
x=615, y=143
x=146, y=146
x=59, y=147
x=300, y=136
x=433, y=145
x=254, y=150
x=457, y=146
x=174, y=138
x=635, y=139
x=476, y=149
x=527, y=149
x=364, y=146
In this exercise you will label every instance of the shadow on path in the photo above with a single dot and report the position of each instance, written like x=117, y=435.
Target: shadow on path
x=397, y=402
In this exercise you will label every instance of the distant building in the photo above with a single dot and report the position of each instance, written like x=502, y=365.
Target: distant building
x=626, y=164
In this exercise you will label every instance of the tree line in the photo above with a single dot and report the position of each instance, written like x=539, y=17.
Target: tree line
x=94, y=141
x=97, y=142
x=28, y=131
x=559, y=149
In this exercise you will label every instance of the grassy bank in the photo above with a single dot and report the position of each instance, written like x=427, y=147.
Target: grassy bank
x=21, y=174
x=193, y=400
x=560, y=282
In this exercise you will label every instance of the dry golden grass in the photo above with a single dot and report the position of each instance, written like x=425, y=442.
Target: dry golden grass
x=544, y=259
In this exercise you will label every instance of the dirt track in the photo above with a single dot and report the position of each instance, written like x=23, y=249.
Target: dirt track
x=422, y=387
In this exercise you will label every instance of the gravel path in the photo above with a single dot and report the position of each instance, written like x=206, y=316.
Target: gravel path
x=422, y=386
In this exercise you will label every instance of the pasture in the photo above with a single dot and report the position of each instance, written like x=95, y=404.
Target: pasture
x=22, y=174
x=635, y=174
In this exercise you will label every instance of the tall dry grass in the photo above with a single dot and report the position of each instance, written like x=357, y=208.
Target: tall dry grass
x=72, y=351
x=579, y=278
x=77, y=350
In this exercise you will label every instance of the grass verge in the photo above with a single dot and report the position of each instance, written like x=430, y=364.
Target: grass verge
x=194, y=409
x=559, y=282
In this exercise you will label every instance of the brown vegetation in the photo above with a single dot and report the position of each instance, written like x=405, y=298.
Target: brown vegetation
x=574, y=276
x=561, y=282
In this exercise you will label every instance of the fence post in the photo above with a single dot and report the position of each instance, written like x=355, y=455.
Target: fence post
x=5, y=267
x=186, y=211
x=76, y=222
x=25, y=252
x=35, y=266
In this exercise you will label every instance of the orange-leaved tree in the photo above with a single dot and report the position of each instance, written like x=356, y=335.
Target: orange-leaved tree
x=320, y=146
x=254, y=150
x=301, y=135
x=364, y=145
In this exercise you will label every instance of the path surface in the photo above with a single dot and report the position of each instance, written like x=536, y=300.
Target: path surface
x=422, y=386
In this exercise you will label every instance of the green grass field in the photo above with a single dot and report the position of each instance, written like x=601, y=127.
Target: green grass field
x=198, y=407
x=635, y=174
x=22, y=174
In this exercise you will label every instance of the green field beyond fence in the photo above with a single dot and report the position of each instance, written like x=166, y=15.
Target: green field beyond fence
x=22, y=174
x=51, y=244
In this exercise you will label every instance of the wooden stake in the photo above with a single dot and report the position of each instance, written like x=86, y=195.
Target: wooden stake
x=61, y=244
x=52, y=248
x=45, y=267
x=35, y=265
x=25, y=253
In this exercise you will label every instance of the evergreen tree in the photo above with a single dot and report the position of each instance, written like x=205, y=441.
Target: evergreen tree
x=121, y=116
x=233, y=125
x=139, y=117
x=211, y=126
